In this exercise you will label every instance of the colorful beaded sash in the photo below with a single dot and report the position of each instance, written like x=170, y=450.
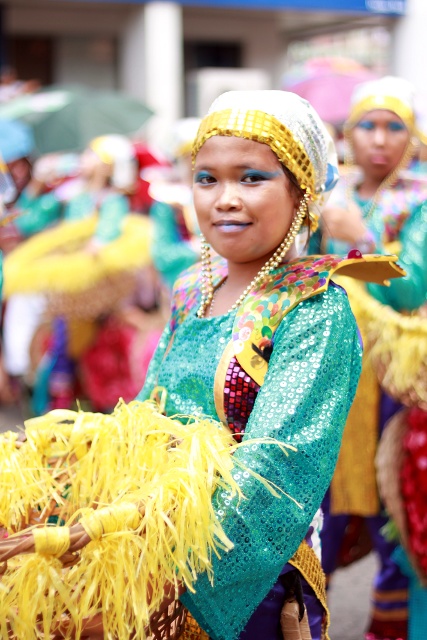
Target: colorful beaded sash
x=265, y=307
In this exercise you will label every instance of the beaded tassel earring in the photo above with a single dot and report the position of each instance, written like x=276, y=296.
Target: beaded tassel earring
x=283, y=249
x=207, y=284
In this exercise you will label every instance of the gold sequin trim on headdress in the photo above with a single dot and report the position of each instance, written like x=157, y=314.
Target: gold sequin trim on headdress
x=388, y=103
x=265, y=128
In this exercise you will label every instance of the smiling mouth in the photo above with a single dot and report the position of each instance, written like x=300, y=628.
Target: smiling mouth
x=231, y=225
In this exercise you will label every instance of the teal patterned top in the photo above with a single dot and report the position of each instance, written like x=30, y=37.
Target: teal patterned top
x=111, y=213
x=171, y=253
x=308, y=389
x=408, y=293
x=36, y=213
x=39, y=213
x=399, y=215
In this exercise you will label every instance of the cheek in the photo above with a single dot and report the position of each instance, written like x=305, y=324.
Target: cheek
x=202, y=208
x=359, y=145
x=400, y=144
x=200, y=203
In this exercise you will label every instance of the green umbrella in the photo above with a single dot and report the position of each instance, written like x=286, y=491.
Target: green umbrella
x=66, y=119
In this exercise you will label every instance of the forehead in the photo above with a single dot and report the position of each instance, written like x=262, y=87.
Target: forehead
x=220, y=149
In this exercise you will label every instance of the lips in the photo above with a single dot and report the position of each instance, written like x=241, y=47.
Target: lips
x=379, y=159
x=231, y=226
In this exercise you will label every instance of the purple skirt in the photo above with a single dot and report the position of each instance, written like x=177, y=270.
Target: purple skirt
x=265, y=621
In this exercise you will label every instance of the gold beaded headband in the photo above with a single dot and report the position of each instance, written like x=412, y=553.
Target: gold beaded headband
x=265, y=128
x=388, y=103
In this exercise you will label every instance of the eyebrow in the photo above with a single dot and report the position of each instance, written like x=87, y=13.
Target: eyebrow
x=206, y=167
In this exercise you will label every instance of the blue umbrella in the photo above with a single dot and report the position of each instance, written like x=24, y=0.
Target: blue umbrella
x=16, y=140
x=67, y=118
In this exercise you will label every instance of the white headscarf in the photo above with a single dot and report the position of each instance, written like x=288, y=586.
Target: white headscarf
x=285, y=122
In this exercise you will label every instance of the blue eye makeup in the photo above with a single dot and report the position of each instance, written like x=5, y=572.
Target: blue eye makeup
x=203, y=177
x=254, y=175
x=396, y=126
x=367, y=125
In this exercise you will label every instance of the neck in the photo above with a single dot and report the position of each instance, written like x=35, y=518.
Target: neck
x=241, y=274
x=369, y=186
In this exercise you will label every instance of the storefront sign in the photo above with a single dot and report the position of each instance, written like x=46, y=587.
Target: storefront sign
x=382, y=7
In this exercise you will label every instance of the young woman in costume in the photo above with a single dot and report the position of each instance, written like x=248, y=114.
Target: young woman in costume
x=376, y=208
x=261, y=340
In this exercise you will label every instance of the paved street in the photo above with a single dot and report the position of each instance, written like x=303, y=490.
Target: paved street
x=10, y=417
x=349, y=596
x=349, y=599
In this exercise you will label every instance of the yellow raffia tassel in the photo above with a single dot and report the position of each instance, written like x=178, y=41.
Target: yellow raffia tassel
x=396, y=342
x=26, y=485
x=150, y=480
x=399, y=353
x=33, y=596
x=55, y=260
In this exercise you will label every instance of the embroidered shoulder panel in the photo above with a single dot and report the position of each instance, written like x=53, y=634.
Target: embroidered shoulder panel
x=187, y=289
x=263, y=309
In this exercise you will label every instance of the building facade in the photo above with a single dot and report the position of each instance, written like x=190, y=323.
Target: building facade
x=176, y=56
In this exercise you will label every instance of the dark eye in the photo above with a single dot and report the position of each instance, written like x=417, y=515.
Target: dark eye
x=253, y=177
x=203, y=177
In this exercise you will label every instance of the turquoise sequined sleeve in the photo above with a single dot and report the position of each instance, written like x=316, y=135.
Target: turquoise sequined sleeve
x=408, y=293
x=304, y=402
x=36, y=213
x=112, y=213
x=171, y=255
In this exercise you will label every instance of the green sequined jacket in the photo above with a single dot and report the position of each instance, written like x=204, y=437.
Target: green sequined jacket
x=304, y=400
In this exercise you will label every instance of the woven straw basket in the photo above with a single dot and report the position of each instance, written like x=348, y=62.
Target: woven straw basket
x=93, y=302
x=389, y=462
x=170, y=623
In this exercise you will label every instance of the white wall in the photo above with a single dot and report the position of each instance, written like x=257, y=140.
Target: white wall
x=409, y=45
x=257, y=31
x=86, y=60
x=131, y=54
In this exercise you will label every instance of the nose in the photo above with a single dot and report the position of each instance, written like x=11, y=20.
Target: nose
x=380, y=136
x=228, y=197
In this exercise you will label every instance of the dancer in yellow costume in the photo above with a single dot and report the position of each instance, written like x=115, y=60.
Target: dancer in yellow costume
x=98, y=237
x=86, y=265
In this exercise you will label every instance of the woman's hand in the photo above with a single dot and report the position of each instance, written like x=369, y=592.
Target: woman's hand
x=344, y=223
